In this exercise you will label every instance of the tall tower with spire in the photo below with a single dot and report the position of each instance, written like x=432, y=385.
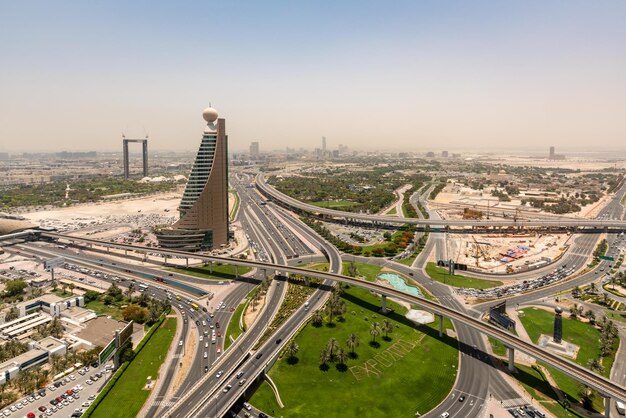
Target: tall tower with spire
x=203, y=209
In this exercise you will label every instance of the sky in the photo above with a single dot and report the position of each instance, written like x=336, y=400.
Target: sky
x=400, y=75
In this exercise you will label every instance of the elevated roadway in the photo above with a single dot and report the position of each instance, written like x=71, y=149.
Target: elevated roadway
x=601, y=384
x=269, y=191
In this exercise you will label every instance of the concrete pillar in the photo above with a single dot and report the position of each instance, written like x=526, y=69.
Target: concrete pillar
x=211, y=267
x=306, y=280
x=236, y=272
x=107, y=248
x=125, y=253
x=145, y=256
x=187, y=262
x=607, y=407
x=264, y=273
x=384, y=308
x=440, y=325
x=511, y=359
x=165, y=259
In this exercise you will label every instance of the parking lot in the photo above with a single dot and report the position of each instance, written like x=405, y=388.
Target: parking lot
x=66, y=397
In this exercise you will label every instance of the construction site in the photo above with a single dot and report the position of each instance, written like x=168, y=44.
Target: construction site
x=506, y=253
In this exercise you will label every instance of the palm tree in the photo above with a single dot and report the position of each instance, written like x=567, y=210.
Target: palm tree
x=613, y=280
x=129, y=292
x=573, y=311
x=317, y=318
x=72, y=286
x=331, y=346
x=590, y=316
x=387, y=328
x=592, y=288
x=352, y=342
x=292, y=349
x=324, y=357
x=375, y=330
x=342, y=356
x=64, y=287
x=595, y=365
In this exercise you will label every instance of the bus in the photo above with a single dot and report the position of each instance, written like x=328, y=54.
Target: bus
x=142, y=287
x=196, y=307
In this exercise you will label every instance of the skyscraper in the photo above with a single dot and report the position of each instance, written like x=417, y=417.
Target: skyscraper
x=551, y=156
x=254, y=150
x=203, y=222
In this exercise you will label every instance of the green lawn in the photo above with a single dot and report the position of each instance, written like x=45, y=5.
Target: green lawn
x=127, y=396
x=334, y=204
x=233, y=325
x=375, y=384
x=392, y=211
x=440, y=274
x=233, y=210
x=368, y=271
x=101, y=309
x=497, y=347
x=587, y=337
x=220, y=271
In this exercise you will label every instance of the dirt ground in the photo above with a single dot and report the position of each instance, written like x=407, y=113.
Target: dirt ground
x=187, y=361
x=250, y=314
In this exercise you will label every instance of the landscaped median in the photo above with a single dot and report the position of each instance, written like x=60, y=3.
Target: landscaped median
x=234, y=329
x=217, y=272
x=394, y=369
x=125, y=397
x=440, y=274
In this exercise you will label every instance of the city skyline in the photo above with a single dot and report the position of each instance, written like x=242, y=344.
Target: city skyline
x=458, y=75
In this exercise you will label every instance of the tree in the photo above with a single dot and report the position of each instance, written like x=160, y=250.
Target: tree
x=324, y=357
x=317, y=318
x=143, y=300
x=56, y=327
x=64, y=287
x=352, y=342
x=129, y=292
x=387, y=328
x=114, y=291
x=573, y=311
x=331, y=346
x=292, y=349
x=342, y=356
x=15, y=287
x=154, y=312
x=374, y=331
x=72, y=286
x=592, y=288
x=13, y=313
x=90, y=295
x=134, y=313
x=590, y=316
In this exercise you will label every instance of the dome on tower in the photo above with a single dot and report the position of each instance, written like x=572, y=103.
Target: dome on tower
x=209, y=114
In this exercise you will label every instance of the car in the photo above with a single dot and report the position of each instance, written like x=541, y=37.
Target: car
x=263, y=415
x=180, y=343
x=242, y=382
x=205, y=354
x=219, y=334
x=30, y=415
x=461, y=398
x=206, y=369
x=445, y=414
x=240, y=374
x=219, y=374
x=278, y=341
x=54, y=402
x=247, y=406
x=197, y=323
x=258, y=356
x=42, y=408
x=91, y=397
x=219, y=350
x=89, y=382
x=227, y=388
x=217, y=325
x=6, y=412
x=201, y=338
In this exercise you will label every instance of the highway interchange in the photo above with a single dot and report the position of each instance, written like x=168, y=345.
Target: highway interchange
x=276, y=238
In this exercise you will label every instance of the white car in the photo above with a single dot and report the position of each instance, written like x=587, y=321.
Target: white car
x=201, y=338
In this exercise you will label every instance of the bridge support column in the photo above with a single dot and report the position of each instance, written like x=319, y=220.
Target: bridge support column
x=383, y=310
x=607, y=407
x=511, y=359
x=307, y=281
x=236, y=272
x=164, y=259
x=145, y=257
x=264, y=273
x=187, y=262
x=440, y=325
x=211, y=267
x=108, y=248
x=125, y=253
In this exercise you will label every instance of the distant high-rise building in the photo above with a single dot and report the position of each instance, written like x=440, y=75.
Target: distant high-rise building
x=4, y=155
x=254, y=150
x=551, y=153
x=203, y=222
x=430, y=154
x=324, y=145
x=444, y=154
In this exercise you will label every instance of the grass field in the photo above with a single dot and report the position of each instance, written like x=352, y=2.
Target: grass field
x=334, y=204
x=497, y=347
x=127, y=396
x=220, y=271
x=587, y=337
x=392, y=211
x=440, y=274
x=368, y=271
x=374, y=384
x=101, y=309
x=233, y=325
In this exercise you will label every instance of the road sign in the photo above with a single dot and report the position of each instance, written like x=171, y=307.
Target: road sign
x=53, y=262
x=606, y=257
x=107, y=352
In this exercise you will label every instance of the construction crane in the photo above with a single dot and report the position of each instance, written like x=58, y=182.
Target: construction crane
x=480, y=250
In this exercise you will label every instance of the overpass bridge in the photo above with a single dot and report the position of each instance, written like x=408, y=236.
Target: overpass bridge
x=604, y=386
x=561, y=223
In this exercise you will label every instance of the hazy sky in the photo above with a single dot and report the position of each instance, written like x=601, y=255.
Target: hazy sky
x=411, y=75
